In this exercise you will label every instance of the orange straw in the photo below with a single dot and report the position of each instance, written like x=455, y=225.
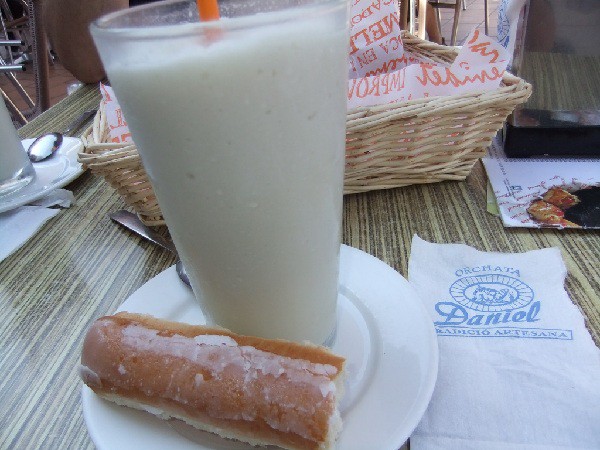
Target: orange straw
x=208, y=9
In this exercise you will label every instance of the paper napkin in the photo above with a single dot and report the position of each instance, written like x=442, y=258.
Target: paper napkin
x=518, y=369
x=19, y=224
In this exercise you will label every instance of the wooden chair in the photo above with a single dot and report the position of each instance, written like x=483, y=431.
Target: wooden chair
x=412, y=16
x=457, y=6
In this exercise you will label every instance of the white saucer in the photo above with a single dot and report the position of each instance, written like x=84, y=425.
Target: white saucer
x=52, y=173
x=384, y=332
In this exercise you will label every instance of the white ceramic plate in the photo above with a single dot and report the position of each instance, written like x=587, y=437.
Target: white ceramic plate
x=383, y=330
x=53, y=173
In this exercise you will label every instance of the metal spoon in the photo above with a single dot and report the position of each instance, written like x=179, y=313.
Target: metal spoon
x=44, y=146
x=47, y=144
x=133, y=223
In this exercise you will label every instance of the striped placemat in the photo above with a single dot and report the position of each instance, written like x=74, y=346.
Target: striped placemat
x=63, y=113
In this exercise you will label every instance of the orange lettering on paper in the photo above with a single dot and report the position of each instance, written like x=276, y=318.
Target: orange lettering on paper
x=384, y=27
x=352, y=84
x=369, y=10
x=394, y=81
x=392, y=45
x=365, y=13
x=391, y=66
x=474, y=38
x=367, y=57
x=483, y=75
x=121, y=138
x=374, y=32
x=482, y=48
x=431, y=75
x=120, y=120
x=355, y=37
x=376, y=86
x=107, y=97
x=360, y=88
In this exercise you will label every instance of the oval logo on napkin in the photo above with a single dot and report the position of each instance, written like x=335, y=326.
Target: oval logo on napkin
x=491, y=293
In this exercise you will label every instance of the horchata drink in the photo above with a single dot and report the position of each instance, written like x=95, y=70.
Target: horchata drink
x=241, y=127
x=16, y=170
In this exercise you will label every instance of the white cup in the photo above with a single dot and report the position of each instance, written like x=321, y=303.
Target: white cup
x=16, y=170
x=240, y=124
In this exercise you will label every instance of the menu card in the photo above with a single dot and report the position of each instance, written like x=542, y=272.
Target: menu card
x=544, y=192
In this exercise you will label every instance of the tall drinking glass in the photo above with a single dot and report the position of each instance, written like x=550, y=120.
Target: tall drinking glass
x=16, y=170
x=240, y=124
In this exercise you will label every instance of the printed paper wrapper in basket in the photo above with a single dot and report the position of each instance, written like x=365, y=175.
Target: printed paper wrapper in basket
x=390, y=145
x=426, y=137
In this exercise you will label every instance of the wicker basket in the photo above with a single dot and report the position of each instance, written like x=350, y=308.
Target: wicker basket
x=387, y=146
x=121, y=166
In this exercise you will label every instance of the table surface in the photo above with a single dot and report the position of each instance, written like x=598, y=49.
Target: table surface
x=81, y=266
x=562, y=81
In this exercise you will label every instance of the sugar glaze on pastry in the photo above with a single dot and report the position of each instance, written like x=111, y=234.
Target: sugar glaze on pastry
x=260, y=391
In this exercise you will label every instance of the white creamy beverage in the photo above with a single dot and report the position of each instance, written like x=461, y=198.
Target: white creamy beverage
x=243, y=136
x=15, y=169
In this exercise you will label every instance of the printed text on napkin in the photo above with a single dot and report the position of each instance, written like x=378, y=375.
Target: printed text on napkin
x=518, y=368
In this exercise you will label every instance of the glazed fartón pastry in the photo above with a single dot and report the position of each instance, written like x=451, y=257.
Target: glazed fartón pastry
x=548, y=214
x=560, y=198
x=261, y=391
